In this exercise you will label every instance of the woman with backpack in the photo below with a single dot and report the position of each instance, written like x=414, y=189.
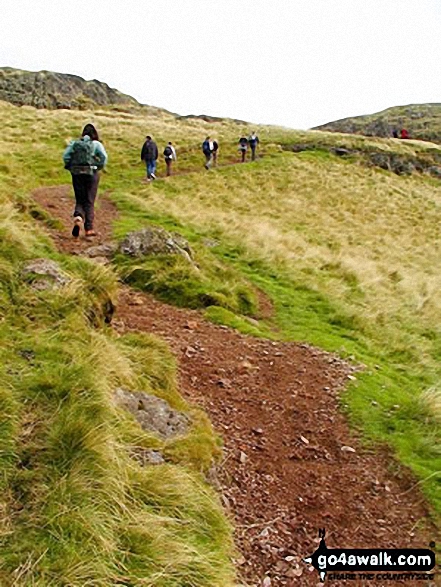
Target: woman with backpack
x=84, y=158
x=169, y=157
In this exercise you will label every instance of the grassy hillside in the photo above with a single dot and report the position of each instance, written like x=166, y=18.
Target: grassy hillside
x=76, y=509
x=349, y=255
x=423, y=121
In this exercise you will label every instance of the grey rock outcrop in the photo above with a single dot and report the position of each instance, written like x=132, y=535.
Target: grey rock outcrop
x=153, y=414
x=101, y=254
x=155, y=241
x=44, y=274
x=47, y=89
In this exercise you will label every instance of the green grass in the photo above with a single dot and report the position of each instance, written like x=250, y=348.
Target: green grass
x=349, y=257
x=75, y=508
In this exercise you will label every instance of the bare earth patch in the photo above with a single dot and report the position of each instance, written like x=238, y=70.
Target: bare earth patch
x=291, y=463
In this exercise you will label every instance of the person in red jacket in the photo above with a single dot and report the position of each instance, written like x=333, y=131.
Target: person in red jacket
x=404, y=134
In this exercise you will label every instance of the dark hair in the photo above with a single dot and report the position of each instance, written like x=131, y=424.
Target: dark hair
x=91, y=131
x=148, y=137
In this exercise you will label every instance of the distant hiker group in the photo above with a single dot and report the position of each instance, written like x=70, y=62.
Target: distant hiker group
x=403, y=134
x=252, y=141
x=86, y=156
x=150, y=154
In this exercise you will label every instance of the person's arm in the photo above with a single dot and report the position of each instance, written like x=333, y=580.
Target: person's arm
x=156, y=152
x=174, y=154
x=67, y=155
x=100, y=154
x=143, y=152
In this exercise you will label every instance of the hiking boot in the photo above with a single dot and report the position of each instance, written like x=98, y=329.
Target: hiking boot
x=153, y=176
x=90, y=233
x=78, y=221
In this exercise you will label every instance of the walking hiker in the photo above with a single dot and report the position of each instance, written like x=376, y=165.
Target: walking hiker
x=169, y=157
x=253, y=141
x=84, y=158
x=149, y=154
x=207, y=149
x=215, y=150
x=404, y=133
x=243, y=147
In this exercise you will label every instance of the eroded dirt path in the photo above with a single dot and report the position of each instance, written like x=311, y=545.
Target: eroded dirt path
x=291, y=463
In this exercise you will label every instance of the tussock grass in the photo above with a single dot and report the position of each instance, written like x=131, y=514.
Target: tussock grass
x=75, y=508
x=349, y=257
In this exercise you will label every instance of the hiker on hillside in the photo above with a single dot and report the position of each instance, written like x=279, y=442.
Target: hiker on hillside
x=207, y=149
x=395, y=133
x=215, y=152
x=404, y=133
x=169, y=157
x=253, y=141
x=84, y=158
x=243, y=147
x=149, y=154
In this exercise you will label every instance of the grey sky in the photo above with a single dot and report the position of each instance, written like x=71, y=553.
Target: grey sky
x=298, y=63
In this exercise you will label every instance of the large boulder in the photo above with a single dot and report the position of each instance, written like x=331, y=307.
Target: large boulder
x=153, y=414
x=44, y=274
x=155, y=241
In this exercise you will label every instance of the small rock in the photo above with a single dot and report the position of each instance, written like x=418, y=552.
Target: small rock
x=44, y=274
x=146, y=456
x=155, y=241
x=225, y=383
x=243, y=457
x=136, y=301
x=305, y=440
x=258, y=431
x=266, y=582
x=246, y=365
x=152, y=413
x=347, y=449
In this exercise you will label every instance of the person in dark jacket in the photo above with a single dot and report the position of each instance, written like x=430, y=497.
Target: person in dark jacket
x=243, y=147
x=207, y=149
x=149, y=154
x=169, y=157
x=253, y=141
x=84, y=158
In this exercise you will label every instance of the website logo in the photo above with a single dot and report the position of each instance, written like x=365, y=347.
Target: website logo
x=374, y=563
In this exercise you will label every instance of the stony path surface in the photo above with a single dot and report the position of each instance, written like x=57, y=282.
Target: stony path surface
x=291, y=463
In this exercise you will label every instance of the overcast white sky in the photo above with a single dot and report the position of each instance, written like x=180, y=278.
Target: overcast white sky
x=298, y=63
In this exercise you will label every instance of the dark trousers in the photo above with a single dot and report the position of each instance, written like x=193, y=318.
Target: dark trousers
x=85, y=188
x=243, y=153
x=168, y=166
x=253, y=153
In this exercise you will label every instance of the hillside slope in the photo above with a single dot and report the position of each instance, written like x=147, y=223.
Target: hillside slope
x=345, y=254
x=47, y=89
x=423, y=121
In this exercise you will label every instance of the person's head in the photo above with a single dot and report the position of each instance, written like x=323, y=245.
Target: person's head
x=148, y=137
x=91, y=132
x=207, y=139
x=169, y=142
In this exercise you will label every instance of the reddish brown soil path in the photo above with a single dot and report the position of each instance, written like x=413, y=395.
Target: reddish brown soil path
x=291, y=463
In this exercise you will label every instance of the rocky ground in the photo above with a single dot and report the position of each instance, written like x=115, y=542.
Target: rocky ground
x=291, y=464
